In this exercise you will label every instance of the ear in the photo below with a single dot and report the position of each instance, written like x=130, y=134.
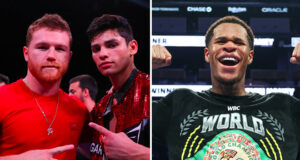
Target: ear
x=25, y=53
x=133, y=47
x=86, y=92
x=250, y=57
x=206, y=54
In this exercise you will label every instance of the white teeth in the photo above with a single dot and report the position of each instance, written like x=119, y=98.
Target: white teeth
x=229, y=59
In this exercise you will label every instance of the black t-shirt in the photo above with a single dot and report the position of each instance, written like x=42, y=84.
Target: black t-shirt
x=207, y=126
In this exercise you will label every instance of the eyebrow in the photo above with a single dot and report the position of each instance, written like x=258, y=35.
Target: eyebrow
x=49, y=44
x=111, y=40
x=108, y=41
x=223, y=38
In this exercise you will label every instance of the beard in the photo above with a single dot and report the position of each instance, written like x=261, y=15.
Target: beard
x=81, y=97
x=47, y=76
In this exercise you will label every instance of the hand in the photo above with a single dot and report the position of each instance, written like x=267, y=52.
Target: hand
x=161, y=57
x=41, y=154
x=295, y=59
x=119, y=146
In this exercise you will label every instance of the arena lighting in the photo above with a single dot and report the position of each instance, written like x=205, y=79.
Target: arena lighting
x=163, y=90
x=198, y=41
x=294, y=41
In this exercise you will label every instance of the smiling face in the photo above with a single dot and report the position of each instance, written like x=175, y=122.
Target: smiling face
x=111, y=53
x=48, y=54
x=228, y=54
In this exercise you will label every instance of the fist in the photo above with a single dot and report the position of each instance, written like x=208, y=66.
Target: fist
x=295, y=59
x=161, y=57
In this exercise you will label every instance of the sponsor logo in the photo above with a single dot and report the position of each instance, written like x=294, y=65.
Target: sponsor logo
x=73, y=126
x=96, y=149
x=274, y=10
x=233, y=108
x=207, y=9
x=237, y=9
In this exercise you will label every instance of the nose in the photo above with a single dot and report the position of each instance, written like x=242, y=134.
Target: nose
x=103, y=54
x=51, y=55
x=229, y=46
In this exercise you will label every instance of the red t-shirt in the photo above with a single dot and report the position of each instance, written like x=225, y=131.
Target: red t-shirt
x=23, y=127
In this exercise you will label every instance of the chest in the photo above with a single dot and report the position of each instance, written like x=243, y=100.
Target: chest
x=214, y=131
x=26, y=124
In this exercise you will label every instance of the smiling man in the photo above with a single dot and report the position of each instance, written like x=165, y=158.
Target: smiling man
x=229, y=50
x=226, y=122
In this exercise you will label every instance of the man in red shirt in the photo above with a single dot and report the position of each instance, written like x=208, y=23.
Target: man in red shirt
x=38, y=120
x=125, y=110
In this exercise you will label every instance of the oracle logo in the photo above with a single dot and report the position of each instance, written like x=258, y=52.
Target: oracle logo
x=274, y=10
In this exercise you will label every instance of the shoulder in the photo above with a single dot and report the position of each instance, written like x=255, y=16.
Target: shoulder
x=283, y=98
x=142, y=76
x=104, y=100
x=101, y=105
x=280, y=95
x=72, y=101
x=11, y=88
x=183, y=92
x=142, y=80
x=179, y=95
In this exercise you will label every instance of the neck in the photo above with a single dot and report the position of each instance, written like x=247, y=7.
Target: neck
x=89, y=103
x=119, y=79
x=235, y=89
x=44, y=88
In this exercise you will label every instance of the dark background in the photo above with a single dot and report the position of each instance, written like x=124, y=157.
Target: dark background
x=17, y=15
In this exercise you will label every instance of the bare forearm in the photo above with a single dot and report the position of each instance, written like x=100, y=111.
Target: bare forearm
x=39, y=154
x=12, y=157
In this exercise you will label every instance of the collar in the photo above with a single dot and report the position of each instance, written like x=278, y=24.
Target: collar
x=120, y=94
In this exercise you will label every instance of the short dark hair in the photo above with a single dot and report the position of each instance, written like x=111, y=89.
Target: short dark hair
x=50, y=21
x=4, y=78
x=87, y=81
x=108, y=21
x=230, y=19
